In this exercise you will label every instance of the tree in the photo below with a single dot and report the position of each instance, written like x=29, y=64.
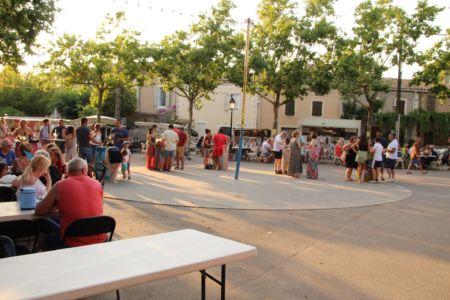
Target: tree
x=435, y=70
x=360, y=62
x=193, y=63
x=402, y=35
x=20, y=23
x=127, y=102
x=103, y=64
x=289, y=54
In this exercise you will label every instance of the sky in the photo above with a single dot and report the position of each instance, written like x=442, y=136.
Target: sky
x=156, y=19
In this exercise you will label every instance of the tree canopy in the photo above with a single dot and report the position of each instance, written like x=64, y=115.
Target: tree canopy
x=435, y=71
x=103, y=63
x=289, y=54
x=193, y=63
x=20, y=23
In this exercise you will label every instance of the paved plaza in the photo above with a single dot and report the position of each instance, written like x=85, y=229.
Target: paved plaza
x=324, y=239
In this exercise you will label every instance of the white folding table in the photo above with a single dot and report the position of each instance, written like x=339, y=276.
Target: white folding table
x=85, y=271
x=11, y=211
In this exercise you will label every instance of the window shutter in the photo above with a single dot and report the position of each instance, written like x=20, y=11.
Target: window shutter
x=289, y=108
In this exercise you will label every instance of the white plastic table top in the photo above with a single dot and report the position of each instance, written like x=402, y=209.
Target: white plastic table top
x=84, y=271
x=11, y=211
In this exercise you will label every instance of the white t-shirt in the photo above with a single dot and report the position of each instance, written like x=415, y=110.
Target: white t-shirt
x=170, y=139
x=392, y=145
x=265, y=149
x=126, y=158
x=378, y=152
x=279, y=143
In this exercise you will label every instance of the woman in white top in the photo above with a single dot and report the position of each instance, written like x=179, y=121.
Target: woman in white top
x=71, y=144
x=96, y=140
x=278, y=146
x=30, y=177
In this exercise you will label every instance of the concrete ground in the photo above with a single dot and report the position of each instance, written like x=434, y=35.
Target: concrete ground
x=392, y=250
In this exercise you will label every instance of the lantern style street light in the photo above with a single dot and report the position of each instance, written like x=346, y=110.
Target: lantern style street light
x=232, y=106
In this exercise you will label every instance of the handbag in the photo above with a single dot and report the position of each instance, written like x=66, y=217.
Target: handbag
x=343, y=156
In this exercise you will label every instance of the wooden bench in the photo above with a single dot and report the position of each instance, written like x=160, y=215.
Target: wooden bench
x=85, y=271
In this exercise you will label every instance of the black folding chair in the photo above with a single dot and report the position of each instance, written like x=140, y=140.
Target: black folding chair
x=98, y=172
x=23, y=233
x=7, y=194
x=7, y=248
x=89, y=227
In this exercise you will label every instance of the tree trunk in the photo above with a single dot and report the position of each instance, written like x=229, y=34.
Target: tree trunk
x=117, y=101
x=189, y=125
x=369, y=120
x=100, y=104
x=276, y=106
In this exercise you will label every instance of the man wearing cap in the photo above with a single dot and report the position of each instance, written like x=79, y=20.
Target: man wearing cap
x=6, y=153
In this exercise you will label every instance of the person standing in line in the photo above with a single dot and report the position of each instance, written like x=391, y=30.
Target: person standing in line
x=285, y=157
x=170, y=139
x=95, y=140
x=44, y=133
x=383, y=143
x=312, y=171
x=152, y=160
x=415, y=158
x=70, y=145
x=391, y=155
x=59, y=132
x=350, y=157
x=361, y=157
x=207, y=146
x=119, y=134
x=278, y=145
x=295, y=160
x=83, y=140
x=220, y=141
x=179, y=155
x=377, y=162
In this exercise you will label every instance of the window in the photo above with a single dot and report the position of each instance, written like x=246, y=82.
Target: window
x=317, y=108
x=431, y=103
x=289, y=108
x=162, y=99
x=237, y=99
x=402, y=109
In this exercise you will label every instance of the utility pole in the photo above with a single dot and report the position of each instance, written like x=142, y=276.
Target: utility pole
x=244, y=92
x=399, y=93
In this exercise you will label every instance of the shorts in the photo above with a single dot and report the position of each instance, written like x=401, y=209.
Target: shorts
x=278, y=154
x=377, y=164
x=124, y=167
x=169, y=153
x=179, y=152
x=361, y=157
x=115, y=157
x=390, y=163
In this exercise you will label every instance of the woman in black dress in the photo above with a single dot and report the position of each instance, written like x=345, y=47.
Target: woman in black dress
x=350, y=159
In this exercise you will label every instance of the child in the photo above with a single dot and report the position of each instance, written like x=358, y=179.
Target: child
x=126, y=158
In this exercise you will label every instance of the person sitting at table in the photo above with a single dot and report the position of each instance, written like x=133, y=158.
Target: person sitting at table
x=266, y=151
x=58, y=166
x=7, y=155
x=23, y=159
x=30, y=177
x=76, y=197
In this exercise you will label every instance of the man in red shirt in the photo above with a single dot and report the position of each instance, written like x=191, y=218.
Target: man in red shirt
x=220, y=140
x=179, y=154
x=75, y=197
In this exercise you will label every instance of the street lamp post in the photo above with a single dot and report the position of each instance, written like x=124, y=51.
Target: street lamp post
x=232, y=104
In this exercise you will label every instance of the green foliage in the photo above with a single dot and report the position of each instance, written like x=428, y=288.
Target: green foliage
x=103, y=63
x=10, y=111
x=290, y=54
x=20, y=23
x=435, y=64
x=127, y=102
x=193, y=63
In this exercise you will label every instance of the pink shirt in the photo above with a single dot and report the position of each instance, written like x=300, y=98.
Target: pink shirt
x=79, y=197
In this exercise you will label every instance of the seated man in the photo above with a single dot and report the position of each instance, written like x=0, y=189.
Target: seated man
x=75, y=197
x=266, y=151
